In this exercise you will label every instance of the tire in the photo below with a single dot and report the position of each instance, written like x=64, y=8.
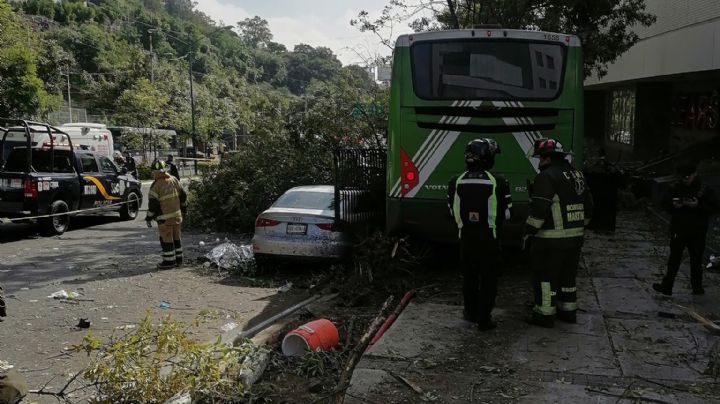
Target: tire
x=130, y=210
x=56, y=225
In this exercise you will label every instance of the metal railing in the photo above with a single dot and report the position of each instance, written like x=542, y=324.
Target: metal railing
x=359, y=186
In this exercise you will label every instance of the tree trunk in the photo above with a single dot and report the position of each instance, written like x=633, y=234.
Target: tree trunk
x=452, y=6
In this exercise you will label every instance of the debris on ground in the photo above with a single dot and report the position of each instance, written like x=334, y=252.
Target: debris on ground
x=713, y=262
x=83, y=323
x=231, y=256
x=229, y=326
x=63, y=295
x=164, y=305
x=285, y=288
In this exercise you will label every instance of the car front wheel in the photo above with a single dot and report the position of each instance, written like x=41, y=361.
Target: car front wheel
x=131, y=208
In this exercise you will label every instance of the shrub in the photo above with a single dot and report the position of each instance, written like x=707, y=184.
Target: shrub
x=229, y=197
x=144, y=172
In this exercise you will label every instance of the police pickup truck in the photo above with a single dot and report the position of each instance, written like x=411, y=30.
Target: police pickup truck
x=46, y=180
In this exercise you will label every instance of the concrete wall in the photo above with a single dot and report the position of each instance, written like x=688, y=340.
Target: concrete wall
x=685, y=38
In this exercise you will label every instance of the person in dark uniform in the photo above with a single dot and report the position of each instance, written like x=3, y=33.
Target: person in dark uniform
x=171, y=167
x=690, y=204
x=560, y=208
x=130, y=165
x=473, y=201
x=604, y=178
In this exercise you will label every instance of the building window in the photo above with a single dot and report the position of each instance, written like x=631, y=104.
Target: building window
x=622, y=116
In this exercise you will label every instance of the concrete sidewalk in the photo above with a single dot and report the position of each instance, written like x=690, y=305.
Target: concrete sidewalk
x=620, y=350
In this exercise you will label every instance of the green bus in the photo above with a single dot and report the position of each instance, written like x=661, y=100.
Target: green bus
x=449, y=87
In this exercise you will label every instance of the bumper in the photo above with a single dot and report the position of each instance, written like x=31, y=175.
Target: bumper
x=311, y=249
x=431, y=220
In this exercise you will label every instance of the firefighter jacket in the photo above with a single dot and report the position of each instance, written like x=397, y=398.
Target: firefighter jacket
x=561, y=204
x=166, y=200
x=686, y=219
x=475, y=199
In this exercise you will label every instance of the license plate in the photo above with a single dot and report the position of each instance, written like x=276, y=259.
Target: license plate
x=296, y=228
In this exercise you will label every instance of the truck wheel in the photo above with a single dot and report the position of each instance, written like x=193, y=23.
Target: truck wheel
x=130, y=210
x=56, y=225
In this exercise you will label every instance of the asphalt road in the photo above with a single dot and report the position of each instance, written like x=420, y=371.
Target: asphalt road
x=111, y=264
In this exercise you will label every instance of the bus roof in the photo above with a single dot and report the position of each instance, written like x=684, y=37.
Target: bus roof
x=84, y=125
x=491, y=33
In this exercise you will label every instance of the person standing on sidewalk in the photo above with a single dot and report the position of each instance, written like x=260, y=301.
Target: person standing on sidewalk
x=560, y=208
x=164, y=206
x=3, y=309
x=690, y=204
x=172, y=168
x=473, y=202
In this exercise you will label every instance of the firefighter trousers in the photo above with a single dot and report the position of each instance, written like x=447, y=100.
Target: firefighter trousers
x=171, y=244
x=694, y=241
x=478, y=261
x=3, y=310
x=555, y=263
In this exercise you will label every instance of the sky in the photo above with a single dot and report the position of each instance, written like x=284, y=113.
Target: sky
x=313, y=22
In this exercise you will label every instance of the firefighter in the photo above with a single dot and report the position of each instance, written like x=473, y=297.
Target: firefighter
x=165, y=203
x=560, y=208
x=690, y=204
x=473, y=201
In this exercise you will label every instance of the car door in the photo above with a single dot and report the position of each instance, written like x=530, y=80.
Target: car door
x=112, y=186
x=90, y=172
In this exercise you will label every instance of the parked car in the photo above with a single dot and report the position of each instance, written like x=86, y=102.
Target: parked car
x=301, y=224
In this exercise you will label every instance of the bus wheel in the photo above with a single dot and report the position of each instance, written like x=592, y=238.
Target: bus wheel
x=131, y=208
x=56, y=225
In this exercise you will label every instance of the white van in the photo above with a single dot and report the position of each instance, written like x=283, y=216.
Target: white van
x=94, y=136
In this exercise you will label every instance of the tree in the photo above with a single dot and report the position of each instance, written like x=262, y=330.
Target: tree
x=306, y=63
x=143, y=106
x=604, y=26
x=255, y=32
x=22, y=93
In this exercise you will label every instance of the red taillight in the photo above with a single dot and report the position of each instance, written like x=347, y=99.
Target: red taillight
x=408, y=173
x=31, y=190
x=263, y=222
x=325, y=226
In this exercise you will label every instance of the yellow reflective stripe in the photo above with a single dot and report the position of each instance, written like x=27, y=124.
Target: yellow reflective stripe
x=567, y=306
x=101, y=188
x=456, y=203
x=177, y=213
x=153, y=194
x=546, y=294
x=492, y=204
x=535, y=222
x=166, y=197
x=557, y=213
x=564, y=233
x=568, y=290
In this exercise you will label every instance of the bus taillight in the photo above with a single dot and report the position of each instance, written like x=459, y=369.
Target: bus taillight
x=408, y=173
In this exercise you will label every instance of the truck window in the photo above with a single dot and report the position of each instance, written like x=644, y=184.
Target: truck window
x=42, y=161
x=107, y=166
x=89, y=164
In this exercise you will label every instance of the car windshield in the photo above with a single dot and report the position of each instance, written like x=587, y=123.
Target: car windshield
x=306, y=200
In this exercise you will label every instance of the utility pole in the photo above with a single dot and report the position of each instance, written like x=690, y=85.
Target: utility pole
x=192, y=107
x=152, y=57
x=68, y=91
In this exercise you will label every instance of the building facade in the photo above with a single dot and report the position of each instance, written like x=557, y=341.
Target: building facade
x=661, y=98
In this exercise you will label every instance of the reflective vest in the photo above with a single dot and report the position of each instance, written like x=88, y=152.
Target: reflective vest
x=561, y=203
x=473, y=201
x=164, y=201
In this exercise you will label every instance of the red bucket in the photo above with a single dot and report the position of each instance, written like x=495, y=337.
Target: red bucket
x=319, y=334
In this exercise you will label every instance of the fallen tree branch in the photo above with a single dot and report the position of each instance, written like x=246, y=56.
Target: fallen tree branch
x=344, y=381
x=709, y=325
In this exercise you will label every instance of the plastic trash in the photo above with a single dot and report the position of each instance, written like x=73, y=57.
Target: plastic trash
x=83, y=323
x=201, y=244
x=229, y=326
x=164, y=305
x=284, y=288
x=63, y=295
x=319, y=334
x=230, y=255
x=714, y=262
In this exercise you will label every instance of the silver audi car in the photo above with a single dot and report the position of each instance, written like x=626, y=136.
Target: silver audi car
x=301, y=224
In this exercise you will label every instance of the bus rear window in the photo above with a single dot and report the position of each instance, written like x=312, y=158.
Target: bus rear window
x=483, y=69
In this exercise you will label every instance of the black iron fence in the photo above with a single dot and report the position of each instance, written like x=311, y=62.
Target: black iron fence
x=360, y=186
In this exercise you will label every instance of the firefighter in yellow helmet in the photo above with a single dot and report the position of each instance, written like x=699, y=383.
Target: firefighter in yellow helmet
x=167, y=198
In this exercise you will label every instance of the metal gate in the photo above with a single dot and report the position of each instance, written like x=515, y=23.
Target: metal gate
x=360, y=186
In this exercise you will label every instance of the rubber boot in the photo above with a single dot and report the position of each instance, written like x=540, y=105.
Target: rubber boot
x=168, y=256
x=178, y=253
